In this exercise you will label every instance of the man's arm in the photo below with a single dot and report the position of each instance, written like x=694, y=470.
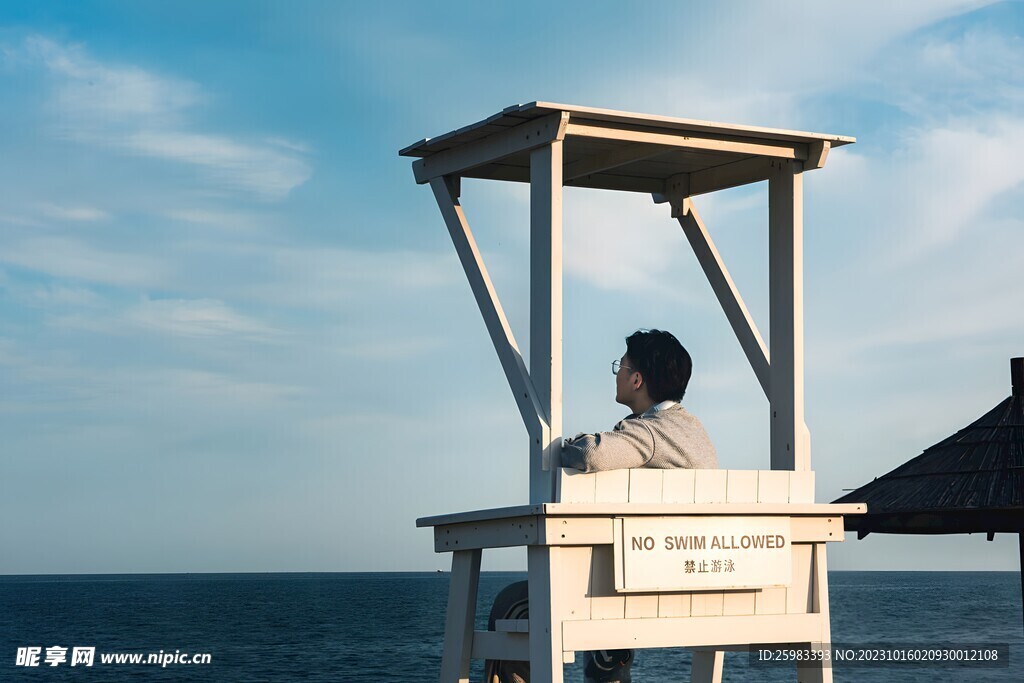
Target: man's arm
x=630, y=444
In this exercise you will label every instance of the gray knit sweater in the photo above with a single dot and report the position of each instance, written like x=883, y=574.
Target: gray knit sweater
x=659, y=439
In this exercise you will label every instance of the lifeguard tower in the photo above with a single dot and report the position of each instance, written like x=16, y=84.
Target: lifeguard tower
x=703, y=559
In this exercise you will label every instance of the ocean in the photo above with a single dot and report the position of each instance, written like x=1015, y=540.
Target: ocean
x=357, y=627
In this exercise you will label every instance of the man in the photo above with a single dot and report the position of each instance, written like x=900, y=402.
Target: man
x=650, y=379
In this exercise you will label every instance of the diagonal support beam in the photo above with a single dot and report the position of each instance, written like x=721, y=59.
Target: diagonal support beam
x=735, y=310
x=530, y=407
x=728, y=296
x=521, y=138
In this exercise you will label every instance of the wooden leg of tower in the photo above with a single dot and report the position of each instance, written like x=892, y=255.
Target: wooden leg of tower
x=820, y=671
x=707, y=666
x=543, y=563
x=786, y=317
x=459, y=623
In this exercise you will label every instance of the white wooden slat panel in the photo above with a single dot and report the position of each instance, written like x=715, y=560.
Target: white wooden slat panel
x=587, y=531
x=512, y=625
x=624, y=508
x=710, y=631
x=741, y=486
x=709, y=486
x=575, y=582
x=817, y=529
x=501, y=645
x=770, y=601
x=576, y=487
x=674, y=605
x=737, y=603
x=577, y=531
x=773, y=486
x=605, y=603
x=677, y=486
x=801, y=486
x=707, y=604
x=511, y=532
x=641, y=606
x=645, y=486
x=715, y=604
x=612, y=486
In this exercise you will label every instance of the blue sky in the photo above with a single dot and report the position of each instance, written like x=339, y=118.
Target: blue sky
x=234, y=335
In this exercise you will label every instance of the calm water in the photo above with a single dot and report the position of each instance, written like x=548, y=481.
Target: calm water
x=388, y=627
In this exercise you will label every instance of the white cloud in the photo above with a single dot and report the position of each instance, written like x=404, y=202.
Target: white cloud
x=196, y=318
x=933, y=77
x=132, y=110
x=329, y=277
x=623, y=241
x=217, y=386
x=266, y=169
x=64, y=383
x=64, y=257
x=201, y=319
x=954, y=174
x=62, y=295
x=74, y=213
x=92, y=91
x=390, y=349
x=934, y=187
x=758, y=63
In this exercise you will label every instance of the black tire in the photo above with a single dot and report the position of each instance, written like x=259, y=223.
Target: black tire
x=511, y=603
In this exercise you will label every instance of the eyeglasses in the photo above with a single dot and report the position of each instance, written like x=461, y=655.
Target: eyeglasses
x=616, y=364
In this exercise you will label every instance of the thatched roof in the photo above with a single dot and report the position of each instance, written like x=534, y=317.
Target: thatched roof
x=972, y=481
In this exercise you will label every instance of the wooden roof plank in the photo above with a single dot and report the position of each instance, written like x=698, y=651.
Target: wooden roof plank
x=519, y=113
x=457, y=160
x=781, y=151
x=686, y=124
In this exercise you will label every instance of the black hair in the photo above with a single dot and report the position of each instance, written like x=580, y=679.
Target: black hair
x=662, y=361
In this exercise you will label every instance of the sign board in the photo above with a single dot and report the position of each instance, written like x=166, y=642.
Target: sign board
x=657, y=554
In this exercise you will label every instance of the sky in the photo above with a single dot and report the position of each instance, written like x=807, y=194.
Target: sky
x=235, y=336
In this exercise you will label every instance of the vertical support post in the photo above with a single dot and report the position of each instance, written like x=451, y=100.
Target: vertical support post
x=1020, y=542
x=543, y=565
x=789, y=450
x=818, y=671
x=459, y=622
x=546, y=314
x=706, y=666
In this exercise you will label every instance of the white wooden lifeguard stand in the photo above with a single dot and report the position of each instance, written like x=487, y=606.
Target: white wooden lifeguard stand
x=594, y=583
